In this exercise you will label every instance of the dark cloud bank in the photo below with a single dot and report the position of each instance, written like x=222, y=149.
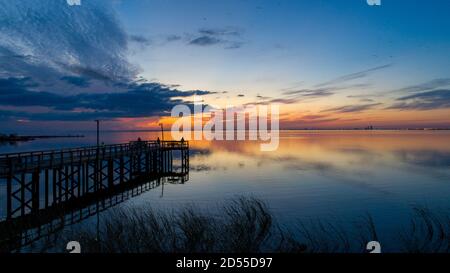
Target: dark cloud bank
x=72, y=62
x=140, y=100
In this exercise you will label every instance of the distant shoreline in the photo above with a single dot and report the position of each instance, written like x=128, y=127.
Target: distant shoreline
x=301, y=129
x=19, y=138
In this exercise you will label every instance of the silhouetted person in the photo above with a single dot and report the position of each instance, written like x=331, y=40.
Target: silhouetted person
x=158, y=141
x=139, y=139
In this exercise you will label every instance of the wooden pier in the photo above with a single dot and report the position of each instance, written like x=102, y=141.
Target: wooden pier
x=42, y=184
x=47, y=190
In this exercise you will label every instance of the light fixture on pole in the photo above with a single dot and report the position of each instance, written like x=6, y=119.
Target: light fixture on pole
x=162, y=131
x=97, y=181
x=98, y=132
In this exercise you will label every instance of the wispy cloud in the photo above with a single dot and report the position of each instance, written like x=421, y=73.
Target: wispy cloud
x=314, y=117
x=205, y=41
x=173, y=37
x=229, y=37
x=354, y=76
x=229, y=31
x=312, y=93
x=323, y=91
x=268, y=101
x=330, y=88
x=426, y=86
x=144, y=41
x=430, y=100
x=352, y=108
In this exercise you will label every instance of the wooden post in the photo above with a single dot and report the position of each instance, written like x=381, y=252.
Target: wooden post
x=59, y=184
x=66, y=183
x=46, y=188
x=122, y=169
x=35, y=190
x=54, y=190
x=9, y=190
x=131, y=167
x=22, y=194
x=147, y=162
x=83, y=179
x=79, y=180
x=110, y=174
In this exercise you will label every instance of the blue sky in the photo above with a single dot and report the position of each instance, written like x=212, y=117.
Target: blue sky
x=330, y=63
x=286, y=42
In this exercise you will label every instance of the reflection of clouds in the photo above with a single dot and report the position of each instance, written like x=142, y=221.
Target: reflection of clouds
x=199, y=152
x=206, y=168
x=296, y=163
x=426, y=158
x=350, y=177
x=200, y=168
x=370, y=161
x=358, y=150
x=360, y=155
x=307, y=166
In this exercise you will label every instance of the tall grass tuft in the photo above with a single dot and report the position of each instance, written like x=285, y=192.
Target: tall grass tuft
x=245, y=225
x=428, y=232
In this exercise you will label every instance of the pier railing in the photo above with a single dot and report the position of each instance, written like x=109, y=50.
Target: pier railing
x=26, y=161
x=42, y=179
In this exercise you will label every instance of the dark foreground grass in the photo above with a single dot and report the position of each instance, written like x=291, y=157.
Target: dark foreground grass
x=245, y=225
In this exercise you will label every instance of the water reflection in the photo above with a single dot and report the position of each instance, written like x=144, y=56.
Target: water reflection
x=313, y=174
x=425, y=158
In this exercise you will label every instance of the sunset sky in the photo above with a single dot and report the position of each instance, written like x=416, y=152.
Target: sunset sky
x=327, y=63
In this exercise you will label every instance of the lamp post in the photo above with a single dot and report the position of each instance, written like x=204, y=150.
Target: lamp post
x=97, y=180
x=98, y=132
x=162, y=131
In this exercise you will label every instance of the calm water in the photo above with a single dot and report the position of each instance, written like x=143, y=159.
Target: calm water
x=313, y=174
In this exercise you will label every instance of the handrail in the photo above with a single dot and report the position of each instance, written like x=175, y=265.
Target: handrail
x=92, y=150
